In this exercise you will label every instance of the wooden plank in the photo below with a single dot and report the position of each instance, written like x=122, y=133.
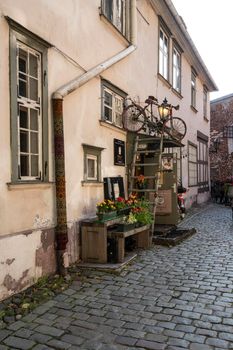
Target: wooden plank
x=94, y=244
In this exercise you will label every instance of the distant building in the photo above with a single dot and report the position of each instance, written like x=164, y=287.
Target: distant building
x=65, y=70
x=221, y=138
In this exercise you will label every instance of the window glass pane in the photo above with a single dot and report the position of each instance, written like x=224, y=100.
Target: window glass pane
x=33, y=89
x=33, y=65
x=165, y=67
x=24, y=165
x=23, y=61
x=34, y=165
x=23, y=117
x=107, y=114
x=34, y=142
x=23, y=141
x=91, y=167
x=33, y=119
x=118, y=111
x=107, y=98
x=22, y=88
x=108, y=9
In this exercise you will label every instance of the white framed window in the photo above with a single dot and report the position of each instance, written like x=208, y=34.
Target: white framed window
x=112, y=104
x=176, y=70
x=203, y=163
x=205, y=101
x=29, y=105
x=163, y=53
x=91, y=166
x=192, y=164
x=177, y=155
x=92, y=163
x=116, y=12
x=29, y=112
x=193, y=89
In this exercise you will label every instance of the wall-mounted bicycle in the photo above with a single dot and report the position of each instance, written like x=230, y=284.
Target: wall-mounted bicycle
x=136, y=118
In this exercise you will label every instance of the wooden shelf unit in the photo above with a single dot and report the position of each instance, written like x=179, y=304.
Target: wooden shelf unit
x=94, y=237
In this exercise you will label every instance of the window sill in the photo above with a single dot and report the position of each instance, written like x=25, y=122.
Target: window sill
x=92, y=183
x=28, y=185
x=113, y=127
x=177, y=93
x=164, y=80
x=193, y=109
x=206, y=119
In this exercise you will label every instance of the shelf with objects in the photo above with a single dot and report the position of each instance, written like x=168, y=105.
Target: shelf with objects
x=104, y=242
x=121, y=225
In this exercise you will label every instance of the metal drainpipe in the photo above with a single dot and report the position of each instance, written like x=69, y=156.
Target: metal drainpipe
x=61, y=230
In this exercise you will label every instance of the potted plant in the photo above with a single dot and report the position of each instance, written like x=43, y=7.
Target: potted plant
x=141, y=181
x=122, y=206
x=142, y=213
x=128, y=223
x=106, y=210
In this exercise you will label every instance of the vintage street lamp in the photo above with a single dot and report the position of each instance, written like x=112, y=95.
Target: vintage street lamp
x=164, y=109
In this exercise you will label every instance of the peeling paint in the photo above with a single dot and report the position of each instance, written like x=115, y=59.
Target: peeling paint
x=10, y=261
x=41, y=222
x=15, y=285
x=45, y=255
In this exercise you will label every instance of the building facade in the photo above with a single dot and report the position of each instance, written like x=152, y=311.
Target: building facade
x=63, y=83
x=221, y=139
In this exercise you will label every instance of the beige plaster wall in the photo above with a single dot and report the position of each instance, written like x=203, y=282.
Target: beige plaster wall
x=77, y=45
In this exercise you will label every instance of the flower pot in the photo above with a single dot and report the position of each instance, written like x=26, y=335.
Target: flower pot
x=123, y=211
x=123, y=227
x=106, y=216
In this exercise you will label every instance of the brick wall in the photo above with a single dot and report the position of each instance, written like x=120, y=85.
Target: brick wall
x=221, y=162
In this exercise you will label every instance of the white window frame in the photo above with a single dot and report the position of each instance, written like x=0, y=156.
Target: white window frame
x=21, y=37
x=205, y=102
x=176, y=69
x=93, y=153
x=30, y=104
x=95, y=159
x=117, y=97
x=163, y=54
x=192, y=165
x=193, y=88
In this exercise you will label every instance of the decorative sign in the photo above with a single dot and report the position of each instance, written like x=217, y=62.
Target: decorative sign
x=167, y=163
x=164, y=205
x=119, y=152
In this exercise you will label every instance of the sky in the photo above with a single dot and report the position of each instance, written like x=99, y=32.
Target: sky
x=210, y=25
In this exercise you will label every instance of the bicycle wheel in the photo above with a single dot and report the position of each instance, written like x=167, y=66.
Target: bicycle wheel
x=176, y=129
x=133, y=118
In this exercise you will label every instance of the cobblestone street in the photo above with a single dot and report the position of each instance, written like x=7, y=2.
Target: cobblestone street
x=169, y=298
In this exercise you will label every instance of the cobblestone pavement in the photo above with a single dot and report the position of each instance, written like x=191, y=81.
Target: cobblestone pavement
x=169, y=298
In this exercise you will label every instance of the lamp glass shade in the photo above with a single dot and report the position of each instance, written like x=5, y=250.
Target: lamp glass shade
x=163, y=111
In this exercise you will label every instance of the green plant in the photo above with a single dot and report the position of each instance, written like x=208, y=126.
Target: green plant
x=130, y=219
x=142, y=212
x=105, y=206
x=120, y=203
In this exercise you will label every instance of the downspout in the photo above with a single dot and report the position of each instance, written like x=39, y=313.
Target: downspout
x=61, y=230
